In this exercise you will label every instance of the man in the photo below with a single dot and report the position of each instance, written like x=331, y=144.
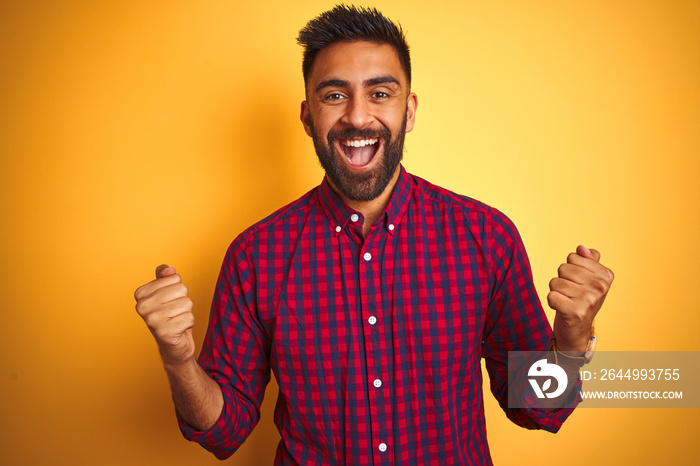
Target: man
x=373, y=297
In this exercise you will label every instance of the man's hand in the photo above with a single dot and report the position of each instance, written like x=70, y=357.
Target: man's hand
x=167, y=310
x=576, y=295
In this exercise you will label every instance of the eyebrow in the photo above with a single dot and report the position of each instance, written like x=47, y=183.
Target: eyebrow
x=382, y=80
x=368, y=83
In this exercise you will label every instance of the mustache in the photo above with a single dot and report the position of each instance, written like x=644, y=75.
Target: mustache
x=352, y=133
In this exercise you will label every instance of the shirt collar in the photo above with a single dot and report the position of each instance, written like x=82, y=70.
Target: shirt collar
x=339, y=214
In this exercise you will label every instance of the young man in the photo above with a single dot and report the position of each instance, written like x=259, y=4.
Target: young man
x=373, y=297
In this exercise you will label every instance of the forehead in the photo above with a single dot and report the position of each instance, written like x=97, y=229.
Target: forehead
x=356, y=62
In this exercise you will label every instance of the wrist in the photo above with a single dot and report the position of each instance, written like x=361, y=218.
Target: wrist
x=177, y=358
x=582, y=356
x=180, y=366
x=573, y=341
x=578, y=347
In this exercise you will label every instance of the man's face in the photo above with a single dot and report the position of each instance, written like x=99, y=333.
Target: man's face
x=357, y=111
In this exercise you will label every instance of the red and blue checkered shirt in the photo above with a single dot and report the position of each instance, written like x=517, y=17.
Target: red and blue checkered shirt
x=375, y=343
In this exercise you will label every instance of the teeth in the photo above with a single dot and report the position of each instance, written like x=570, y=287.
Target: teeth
x=360, y=142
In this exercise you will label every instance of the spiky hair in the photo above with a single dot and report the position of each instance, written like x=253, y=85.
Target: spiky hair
x=348, y=24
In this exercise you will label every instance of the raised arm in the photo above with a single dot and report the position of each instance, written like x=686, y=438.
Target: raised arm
x=167, y=310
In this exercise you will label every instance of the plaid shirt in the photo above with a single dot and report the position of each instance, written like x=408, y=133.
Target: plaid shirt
x=375, y=343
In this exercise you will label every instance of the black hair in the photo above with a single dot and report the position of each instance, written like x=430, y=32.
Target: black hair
x=348, y=24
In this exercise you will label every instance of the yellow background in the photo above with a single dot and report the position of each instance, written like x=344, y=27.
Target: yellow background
x=135, y=133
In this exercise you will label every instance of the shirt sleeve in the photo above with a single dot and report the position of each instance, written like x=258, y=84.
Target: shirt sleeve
x=235, y=354
x=515, y=321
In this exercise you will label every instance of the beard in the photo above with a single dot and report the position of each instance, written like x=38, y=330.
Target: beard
x=360, y=186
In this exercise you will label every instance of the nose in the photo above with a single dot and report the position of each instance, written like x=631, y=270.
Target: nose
x=358, y=113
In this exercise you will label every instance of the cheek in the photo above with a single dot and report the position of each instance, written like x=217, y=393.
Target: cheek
x=328, y=118
x=392, y=120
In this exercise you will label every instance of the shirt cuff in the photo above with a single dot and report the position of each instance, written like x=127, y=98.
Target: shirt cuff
x=227, y=434
x=551, y=421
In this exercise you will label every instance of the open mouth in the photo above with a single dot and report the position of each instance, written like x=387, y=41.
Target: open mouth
x=359, y=152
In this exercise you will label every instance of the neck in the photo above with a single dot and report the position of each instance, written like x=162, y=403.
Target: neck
x=371, y=210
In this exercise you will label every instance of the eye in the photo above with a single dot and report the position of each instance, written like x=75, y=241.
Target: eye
x=334, y=96
x=380, y=95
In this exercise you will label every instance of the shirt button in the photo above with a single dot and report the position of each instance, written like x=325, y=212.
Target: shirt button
x=337, y=229
x=382, y=447
x=391, y=227
x=354, y=217
x=372, y=320
x=377, y=383
x=368, y=256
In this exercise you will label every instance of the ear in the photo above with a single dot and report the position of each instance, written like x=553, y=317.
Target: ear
x=304, y=117
x=411, y=106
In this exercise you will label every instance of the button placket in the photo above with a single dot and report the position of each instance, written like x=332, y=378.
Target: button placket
x=371, y=288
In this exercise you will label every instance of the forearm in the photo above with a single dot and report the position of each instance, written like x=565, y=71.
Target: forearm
x=197, y=397
x=572, y=369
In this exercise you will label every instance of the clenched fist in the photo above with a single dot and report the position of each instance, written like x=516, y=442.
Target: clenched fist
x=576, y=294
x=167, y=310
